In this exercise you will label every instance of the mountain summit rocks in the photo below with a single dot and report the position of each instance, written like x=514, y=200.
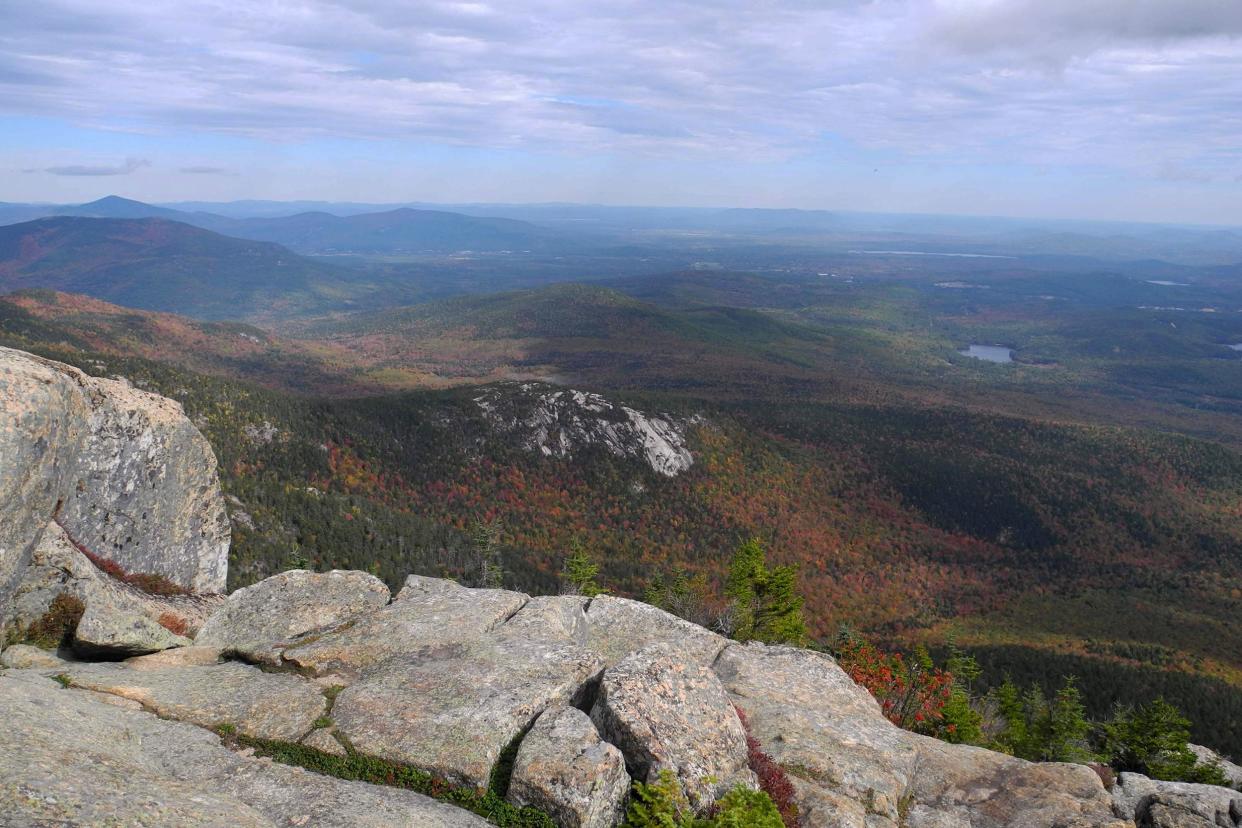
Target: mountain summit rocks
x=123, y=472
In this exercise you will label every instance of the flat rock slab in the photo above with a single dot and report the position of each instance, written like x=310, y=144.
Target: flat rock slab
x=66, y=759
x=265, y=705
x=427, y=613
x=566, y=770
x=665, y=711
x=23, y=656
x=452, y=709
x=259, y=621
x=617, y=627
x=965, y=785
x=551, y=618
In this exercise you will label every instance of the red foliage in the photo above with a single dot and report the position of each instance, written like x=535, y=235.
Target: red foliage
x=772, y=777
x=148, y=583
x=911, y=692
x=174, y=623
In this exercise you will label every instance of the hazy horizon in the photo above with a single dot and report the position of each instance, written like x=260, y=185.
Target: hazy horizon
x=1121, y=110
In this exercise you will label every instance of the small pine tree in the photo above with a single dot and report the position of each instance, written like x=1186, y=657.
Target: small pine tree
x=767, y=604
x=1152, y=740
x=485, y=537
x=1067, y=727
x=578, y=576
x=1012, y=713
x=960, y=722
x=297, y=559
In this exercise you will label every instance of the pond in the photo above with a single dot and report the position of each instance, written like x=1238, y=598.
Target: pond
x=989, y=353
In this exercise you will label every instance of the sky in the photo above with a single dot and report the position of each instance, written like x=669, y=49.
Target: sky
x=1108, y=109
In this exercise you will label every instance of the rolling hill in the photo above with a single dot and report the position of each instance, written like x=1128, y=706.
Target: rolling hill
x=156, y=264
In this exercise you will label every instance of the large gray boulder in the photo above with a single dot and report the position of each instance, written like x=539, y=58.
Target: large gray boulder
x=67, y=758
x=1207, y=756
x=258, y=622
x=665, y=711
x=120, y=619
x=427, y=613
x=43, y=421
x=124, y=472
x=617, y=627
x=104, y=631
x=1153, y=803
x=264, y=705
x=852, y=768
x=566, y=770
x=453, y=708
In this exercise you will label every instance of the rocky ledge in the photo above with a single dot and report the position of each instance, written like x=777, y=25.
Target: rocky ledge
x=570, y=698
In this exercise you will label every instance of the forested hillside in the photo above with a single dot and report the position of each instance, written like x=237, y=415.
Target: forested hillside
x=1030, y=540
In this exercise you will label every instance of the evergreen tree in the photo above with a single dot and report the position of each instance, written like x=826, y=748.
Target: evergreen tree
x=1012, y=738
x=485, y=537
x=1066, y=728
x=960, y=722
x=578, y=576
x=1152, y=740
x=767, y=604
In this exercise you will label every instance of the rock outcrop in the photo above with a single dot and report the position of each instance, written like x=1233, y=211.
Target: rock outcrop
x=1156, y=804
x=854, y=769
x=123, y=471
x=556, y=702
x=567, y=771
x=119, y=619
x=667, y=713
x=259, y=621
x=560, y=423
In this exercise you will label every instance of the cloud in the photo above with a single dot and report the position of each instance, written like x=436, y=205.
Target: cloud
x=1130, y=84
x=204, y=170
x=131, y=165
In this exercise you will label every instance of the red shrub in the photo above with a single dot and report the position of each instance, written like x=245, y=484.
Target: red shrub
x=174, y=623
x=911, y=692
x=772, y=777
x=148, y=583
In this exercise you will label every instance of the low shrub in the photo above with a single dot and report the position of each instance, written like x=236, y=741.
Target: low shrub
x=55, y=627
x=488, y=804
x=772, y=777
x=174, y=623
x=663, y=804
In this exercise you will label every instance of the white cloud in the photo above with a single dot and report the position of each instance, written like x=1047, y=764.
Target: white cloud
x=1149, y=84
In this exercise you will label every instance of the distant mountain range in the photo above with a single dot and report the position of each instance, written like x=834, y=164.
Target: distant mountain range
x=402, y=230
x=414, y=228
x=156, y=264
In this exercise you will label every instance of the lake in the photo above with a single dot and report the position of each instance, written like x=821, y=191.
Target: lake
x=989, y=353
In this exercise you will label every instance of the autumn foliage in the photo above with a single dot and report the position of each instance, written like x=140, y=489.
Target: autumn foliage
x=911, y=691
x=772, y=777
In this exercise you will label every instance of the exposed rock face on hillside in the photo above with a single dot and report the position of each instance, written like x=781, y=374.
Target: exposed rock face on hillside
x=124, y=472
x=560, y=423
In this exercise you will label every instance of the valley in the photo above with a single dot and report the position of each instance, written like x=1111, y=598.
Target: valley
x=1076, y=510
